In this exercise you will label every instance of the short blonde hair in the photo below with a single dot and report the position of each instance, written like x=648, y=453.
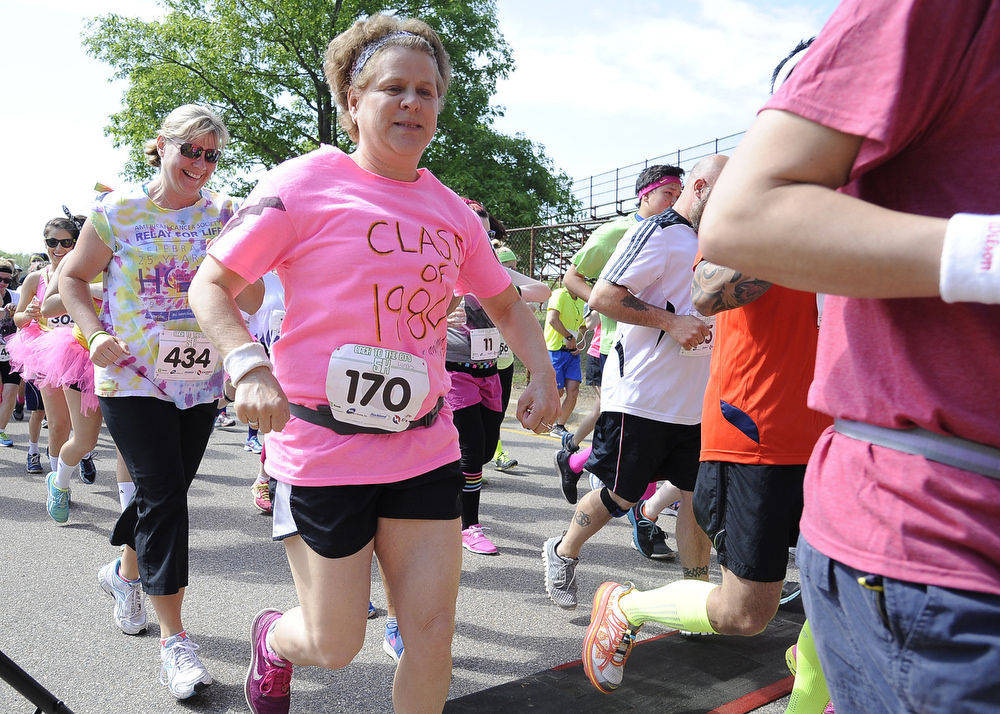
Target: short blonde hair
x=187, y=122
x=345, y=49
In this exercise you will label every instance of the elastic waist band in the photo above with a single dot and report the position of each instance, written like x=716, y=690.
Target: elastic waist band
x=322, y=416
x=949, y=450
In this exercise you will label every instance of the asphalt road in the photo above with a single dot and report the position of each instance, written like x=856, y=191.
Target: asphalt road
x=56, y=623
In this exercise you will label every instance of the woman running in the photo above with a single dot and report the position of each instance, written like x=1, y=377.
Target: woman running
x=29, y=355
x=369, y=461
x=157, y=376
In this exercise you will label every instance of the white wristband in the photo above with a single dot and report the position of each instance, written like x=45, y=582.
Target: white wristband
x=244, y=358
x=970, y=259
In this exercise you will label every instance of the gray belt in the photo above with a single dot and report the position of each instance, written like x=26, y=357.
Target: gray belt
x=949, y=450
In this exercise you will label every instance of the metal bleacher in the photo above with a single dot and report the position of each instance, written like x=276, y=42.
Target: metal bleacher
x=547, y=247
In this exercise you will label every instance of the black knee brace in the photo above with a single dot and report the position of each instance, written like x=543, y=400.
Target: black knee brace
x=613, y=508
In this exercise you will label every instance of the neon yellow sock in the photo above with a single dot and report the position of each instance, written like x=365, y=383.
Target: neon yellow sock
x=683, y=605
x=499, y=451
x=809, y=693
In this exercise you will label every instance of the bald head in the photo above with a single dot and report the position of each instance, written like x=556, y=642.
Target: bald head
x=701, y=179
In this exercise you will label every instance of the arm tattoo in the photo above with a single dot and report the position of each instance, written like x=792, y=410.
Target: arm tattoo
x=716, y=288
x=633, y=303
x=583, y=519
x=695, y=573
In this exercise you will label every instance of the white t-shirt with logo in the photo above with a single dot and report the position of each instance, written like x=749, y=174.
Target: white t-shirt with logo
x=646, y=373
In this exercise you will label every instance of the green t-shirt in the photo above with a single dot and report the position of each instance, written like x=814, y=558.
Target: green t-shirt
x=570, y=311
x=593, y=256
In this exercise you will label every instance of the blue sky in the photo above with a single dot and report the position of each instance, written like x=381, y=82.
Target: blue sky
x=600, y=84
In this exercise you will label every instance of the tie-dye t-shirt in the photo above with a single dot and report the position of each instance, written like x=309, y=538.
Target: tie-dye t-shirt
x=155, y=255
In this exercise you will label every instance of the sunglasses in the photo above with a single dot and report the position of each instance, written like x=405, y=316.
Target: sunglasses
x=190, y=151
x=6, y=281
x=64, y=242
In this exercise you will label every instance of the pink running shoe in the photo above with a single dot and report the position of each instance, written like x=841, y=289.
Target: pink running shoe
x=268, y=682
x=474, y=541
x=609, y=638
x=261, y=496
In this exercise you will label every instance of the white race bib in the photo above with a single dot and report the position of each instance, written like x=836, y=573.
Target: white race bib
x=185, y=355
x=705, y=348
x=60, y=321
x=376, y=387
x=484, y=343
x=4, y=355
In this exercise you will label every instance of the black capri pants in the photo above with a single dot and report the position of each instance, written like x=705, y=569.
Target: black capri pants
x=478, y=434
x=162, y=446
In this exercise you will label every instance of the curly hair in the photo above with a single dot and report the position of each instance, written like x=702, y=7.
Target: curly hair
x=346, y=48
x=187, y=122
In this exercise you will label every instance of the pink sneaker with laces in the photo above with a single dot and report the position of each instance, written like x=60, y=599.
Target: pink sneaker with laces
x=268, y=682
x=474, y=541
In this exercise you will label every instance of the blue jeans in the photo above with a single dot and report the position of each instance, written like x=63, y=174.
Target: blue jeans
x=895, y=646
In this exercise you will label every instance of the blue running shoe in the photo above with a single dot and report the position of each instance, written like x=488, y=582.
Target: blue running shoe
x=57, y=501
x=372, y=612
x=88, y=471
x=647, y=537
x=253, y=445
x=5, y=440
x=34, y=465
x=789, y=591
x=392, y=643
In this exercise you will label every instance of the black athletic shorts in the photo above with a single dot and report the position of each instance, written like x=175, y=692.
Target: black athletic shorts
x=338, y=521
x=630, y=452
x=7, y=376
x=595, y=368
x=32, y=397
x=751, y=512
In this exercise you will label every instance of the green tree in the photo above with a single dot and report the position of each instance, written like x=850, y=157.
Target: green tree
x=258, y=63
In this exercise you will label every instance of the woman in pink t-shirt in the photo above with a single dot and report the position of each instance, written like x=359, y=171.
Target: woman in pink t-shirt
x=370, y=250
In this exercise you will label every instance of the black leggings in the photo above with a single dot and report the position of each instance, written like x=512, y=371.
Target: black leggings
x=506, y=382
x=162, y=446
x=478, y=433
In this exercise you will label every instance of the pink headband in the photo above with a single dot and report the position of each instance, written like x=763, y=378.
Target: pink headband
x=662, y=182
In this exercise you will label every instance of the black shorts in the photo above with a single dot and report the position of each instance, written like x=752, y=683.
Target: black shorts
x=595, y=368
x=32, y=398
x=7, y=376
x=630, y=452
x=751, y=512
x=338, y=521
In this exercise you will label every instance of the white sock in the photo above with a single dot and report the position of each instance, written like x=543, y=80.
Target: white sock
x=64, y=473
x=33, y=447
x=53, y=462
x=126, y=489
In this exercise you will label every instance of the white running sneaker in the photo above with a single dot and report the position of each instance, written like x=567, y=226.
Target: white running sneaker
x=182, y=673
x=130, y=600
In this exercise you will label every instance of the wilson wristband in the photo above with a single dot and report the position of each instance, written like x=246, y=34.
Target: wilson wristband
x=970, y=259
x=244, y=358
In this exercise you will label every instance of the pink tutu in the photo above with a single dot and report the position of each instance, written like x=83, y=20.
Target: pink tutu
x=22, y=347
x=65, y=363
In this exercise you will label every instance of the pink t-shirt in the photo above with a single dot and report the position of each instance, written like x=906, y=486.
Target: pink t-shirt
x=595, y=343
x=920, y=82
x=364, y=260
